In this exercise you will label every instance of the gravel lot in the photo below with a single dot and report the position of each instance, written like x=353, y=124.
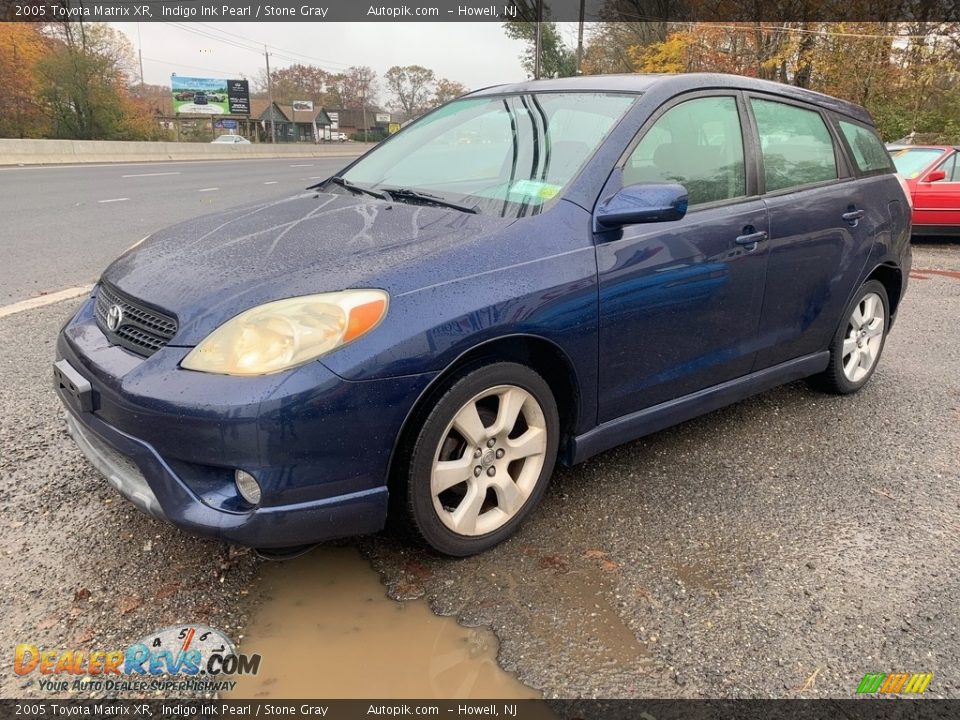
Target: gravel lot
x=781, y=547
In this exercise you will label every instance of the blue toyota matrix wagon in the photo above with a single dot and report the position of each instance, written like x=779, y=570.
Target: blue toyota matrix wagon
x=527, y=275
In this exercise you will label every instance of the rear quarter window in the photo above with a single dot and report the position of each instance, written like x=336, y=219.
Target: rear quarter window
x=869, y=153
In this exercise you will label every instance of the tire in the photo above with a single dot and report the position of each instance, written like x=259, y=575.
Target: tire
x=463, y=483
x=858, y=343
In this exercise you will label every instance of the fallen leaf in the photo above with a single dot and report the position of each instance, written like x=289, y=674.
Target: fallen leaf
x=81, y=594
x=48, y=622
x=554, y=562
x=128, y=604
x=167, y=590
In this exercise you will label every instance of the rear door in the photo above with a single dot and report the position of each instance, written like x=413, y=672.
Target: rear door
x=680, y=301
x=819, y=226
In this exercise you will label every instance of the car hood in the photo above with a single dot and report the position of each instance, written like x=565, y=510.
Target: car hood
x=209, y=269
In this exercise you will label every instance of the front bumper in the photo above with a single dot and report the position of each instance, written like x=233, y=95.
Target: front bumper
x=169, y=440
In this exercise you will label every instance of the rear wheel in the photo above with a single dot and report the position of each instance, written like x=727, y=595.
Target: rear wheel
x=482, y=459
x=856, y=347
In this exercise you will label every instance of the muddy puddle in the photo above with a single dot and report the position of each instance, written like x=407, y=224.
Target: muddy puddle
x=326, y=628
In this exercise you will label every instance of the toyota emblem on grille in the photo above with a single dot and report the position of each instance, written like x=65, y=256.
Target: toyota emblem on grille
x=114, y=317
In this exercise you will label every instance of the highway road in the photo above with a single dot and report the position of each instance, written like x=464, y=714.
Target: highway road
x=62, y=225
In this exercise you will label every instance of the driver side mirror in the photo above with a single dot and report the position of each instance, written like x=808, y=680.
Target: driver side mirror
x=934, y=176
x=643, y=203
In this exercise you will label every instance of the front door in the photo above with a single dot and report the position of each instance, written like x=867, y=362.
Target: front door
x=937, y=202
x=680, y=301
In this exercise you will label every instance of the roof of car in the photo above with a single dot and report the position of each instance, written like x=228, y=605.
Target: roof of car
x=682, y=82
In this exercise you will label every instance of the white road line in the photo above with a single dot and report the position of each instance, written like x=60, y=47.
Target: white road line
x=113, y=200
x=317, y=177
x=207, y=189
x=150, y=174
x=43, y=300
x=306, y=165
x=271, y=182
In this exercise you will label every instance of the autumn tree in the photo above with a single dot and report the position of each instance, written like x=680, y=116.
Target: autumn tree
x=447, y=90
x=410, y=87
x=83, y=80
x=356, y=86
x=22, y=45
x=608, y=45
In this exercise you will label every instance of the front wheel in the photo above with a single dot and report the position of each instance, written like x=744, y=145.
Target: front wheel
x=856, y=347
x=482, y=459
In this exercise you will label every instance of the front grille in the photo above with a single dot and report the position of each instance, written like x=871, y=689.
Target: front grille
x=141, y=329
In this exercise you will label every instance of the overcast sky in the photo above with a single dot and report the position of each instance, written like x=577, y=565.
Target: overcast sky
x=477, y=54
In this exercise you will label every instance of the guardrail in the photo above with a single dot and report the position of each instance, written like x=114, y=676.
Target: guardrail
x=59, y=152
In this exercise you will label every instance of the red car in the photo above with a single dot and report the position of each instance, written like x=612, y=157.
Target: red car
x=932, y=174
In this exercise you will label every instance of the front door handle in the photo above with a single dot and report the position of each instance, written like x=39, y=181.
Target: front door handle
x=750, y=239
x=853, y=217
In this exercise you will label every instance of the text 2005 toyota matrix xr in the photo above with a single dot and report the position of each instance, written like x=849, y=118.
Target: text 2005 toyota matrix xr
x=530, y=274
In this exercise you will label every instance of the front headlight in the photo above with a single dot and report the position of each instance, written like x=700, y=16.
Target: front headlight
x=281, y=334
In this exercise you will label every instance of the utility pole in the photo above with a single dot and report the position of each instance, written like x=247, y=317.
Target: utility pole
x=580, y=39
x=273, y=129
x=363, y=102
x=140, y=52
x=19, y=98
x=536, y=42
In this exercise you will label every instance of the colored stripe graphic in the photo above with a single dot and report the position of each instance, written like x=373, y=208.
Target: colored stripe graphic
x=893, y=683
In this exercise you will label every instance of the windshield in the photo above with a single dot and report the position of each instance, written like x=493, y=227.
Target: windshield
x=910, y=162
x=504, y=155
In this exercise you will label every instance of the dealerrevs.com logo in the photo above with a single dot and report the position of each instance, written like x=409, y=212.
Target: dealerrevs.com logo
x=187, y=657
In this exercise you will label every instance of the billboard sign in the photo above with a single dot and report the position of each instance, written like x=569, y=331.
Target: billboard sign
x=238, y=93
x=225, y=124
x=334, y=120
x=199, y=96
x=382, y=117
x=303, y=105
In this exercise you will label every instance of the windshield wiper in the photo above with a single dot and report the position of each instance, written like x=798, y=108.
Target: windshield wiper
x=406, y=194
x=356, y=189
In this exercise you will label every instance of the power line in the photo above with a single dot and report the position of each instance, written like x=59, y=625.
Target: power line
x=241, y=43
x=228, y=73
x=273, y=47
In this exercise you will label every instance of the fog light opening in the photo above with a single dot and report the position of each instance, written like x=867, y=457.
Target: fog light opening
x=247, y=486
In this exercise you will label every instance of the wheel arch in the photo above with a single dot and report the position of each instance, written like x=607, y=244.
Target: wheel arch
x=539, y=354
x=891, y=277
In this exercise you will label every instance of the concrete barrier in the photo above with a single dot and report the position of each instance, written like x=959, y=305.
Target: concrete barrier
x=60, y=152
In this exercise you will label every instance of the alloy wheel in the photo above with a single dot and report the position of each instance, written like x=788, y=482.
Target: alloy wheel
x=489, y=460
x=864, y=337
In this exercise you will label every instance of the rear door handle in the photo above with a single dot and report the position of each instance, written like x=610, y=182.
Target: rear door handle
x=853, y=216
x=751, y=238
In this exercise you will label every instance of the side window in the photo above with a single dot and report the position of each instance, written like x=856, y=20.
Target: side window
x=949, y=166
x=795, y=145
x=868, y=152
x=697, y=144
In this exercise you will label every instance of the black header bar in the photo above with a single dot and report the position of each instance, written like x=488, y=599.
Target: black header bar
x=862, y=709
x=655, y=11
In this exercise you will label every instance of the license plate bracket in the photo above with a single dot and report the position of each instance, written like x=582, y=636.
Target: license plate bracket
x=72, y=386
